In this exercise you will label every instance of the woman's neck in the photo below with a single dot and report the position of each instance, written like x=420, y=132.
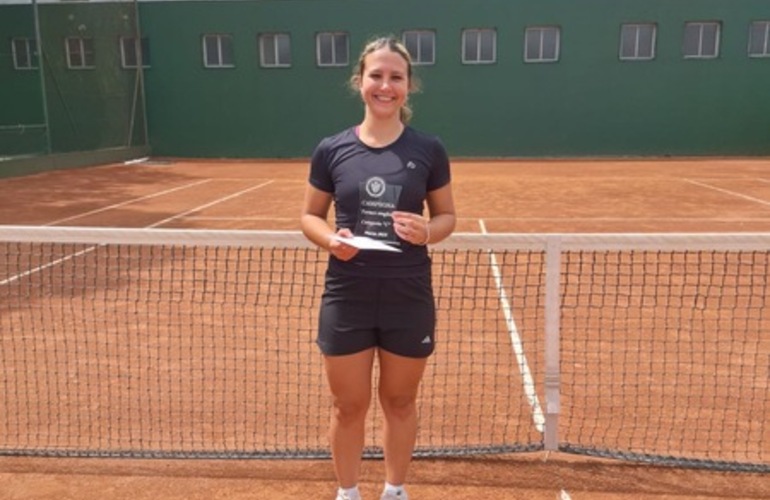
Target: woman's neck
x=379, y=133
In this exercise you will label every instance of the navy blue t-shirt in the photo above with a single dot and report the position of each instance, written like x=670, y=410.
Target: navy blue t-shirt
x=368, y=184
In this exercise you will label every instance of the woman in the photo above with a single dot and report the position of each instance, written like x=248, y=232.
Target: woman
x=379, y=175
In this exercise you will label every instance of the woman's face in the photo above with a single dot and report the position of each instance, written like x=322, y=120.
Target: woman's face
x=384, y=83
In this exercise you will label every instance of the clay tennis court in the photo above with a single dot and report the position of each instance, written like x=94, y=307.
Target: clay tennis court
x=714, y=195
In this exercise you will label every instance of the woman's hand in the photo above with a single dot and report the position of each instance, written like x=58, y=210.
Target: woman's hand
x=339, y=249
x=411, y=227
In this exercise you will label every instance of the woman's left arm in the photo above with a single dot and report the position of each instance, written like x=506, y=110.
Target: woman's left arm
x=441, y=209
x=438, y=225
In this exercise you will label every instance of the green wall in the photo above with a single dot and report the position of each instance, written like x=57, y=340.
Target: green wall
x=20, y=98
x=88, y=109
x=587, y=104
x=245, y=111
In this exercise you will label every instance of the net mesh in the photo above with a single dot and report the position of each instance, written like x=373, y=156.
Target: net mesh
x=118, y=342
x=679, y=341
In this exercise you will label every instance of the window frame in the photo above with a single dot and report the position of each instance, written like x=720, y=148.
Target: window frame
x=85, y=49
x=219, y=64
x=701, y=26
x=766, y=49
x=276, y=37
x=479, y=32
x=636, y=56
x=130, y=41
x=319, y=38
x=416, y=57
x=30, y=53
x=543, y=29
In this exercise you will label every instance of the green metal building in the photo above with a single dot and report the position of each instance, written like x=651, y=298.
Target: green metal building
x=500, y=78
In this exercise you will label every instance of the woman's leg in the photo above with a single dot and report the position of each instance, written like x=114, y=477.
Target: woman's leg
x=399, y=383
x=350, y=380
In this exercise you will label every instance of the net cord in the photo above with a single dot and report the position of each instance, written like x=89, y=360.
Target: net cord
x=754, y=241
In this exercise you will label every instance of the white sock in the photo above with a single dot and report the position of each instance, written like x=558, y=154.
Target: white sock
x=352, y=493
x=394, y=490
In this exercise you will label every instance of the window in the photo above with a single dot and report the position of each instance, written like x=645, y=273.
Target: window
x=701, y=40
x=275, y=50
x=24, y=53
x=80, y=53
x=218, y=51
x=637, y=42
x=541, y=44
x=759, y=39
x=332, y=49
x=479, y=46
x=421, y=46
x=128, y=54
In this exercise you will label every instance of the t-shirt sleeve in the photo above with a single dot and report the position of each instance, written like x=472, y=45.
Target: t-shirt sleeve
x=440, y=173
x=320, y=170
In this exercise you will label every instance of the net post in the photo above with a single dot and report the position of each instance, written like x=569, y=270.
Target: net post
x=552, y=340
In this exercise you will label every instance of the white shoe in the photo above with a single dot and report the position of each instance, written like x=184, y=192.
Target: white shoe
x=341, y=495
x=393, y=496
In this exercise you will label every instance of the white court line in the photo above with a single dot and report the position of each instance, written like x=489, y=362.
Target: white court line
x=207, y=205
x=94, y=247
x=46, y=266
x=127, y=202
x=623, y=219
x=526, y=374
x=254, y=179
x=136, y=160
x=241, y=219
x=727, y=191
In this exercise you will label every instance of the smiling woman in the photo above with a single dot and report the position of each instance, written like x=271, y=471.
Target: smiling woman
x=388, y=73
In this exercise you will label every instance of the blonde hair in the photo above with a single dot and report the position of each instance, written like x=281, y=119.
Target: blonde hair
x=394, y=45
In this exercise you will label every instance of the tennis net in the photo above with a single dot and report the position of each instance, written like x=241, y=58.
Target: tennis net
x=193, y=343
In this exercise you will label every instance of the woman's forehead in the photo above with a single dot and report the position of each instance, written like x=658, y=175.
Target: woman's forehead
x=385, y=57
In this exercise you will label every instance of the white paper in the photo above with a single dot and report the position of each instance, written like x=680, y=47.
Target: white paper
x=366, y=243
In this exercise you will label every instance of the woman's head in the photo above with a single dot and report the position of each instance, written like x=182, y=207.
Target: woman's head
x=383, y=76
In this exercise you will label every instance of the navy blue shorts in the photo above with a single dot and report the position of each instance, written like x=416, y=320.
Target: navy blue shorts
x=395, y=314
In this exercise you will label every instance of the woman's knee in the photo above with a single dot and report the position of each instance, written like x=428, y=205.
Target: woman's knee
x=400, y=406
x=350, y=411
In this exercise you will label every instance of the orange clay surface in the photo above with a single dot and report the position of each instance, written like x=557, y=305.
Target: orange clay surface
x=699, y=195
